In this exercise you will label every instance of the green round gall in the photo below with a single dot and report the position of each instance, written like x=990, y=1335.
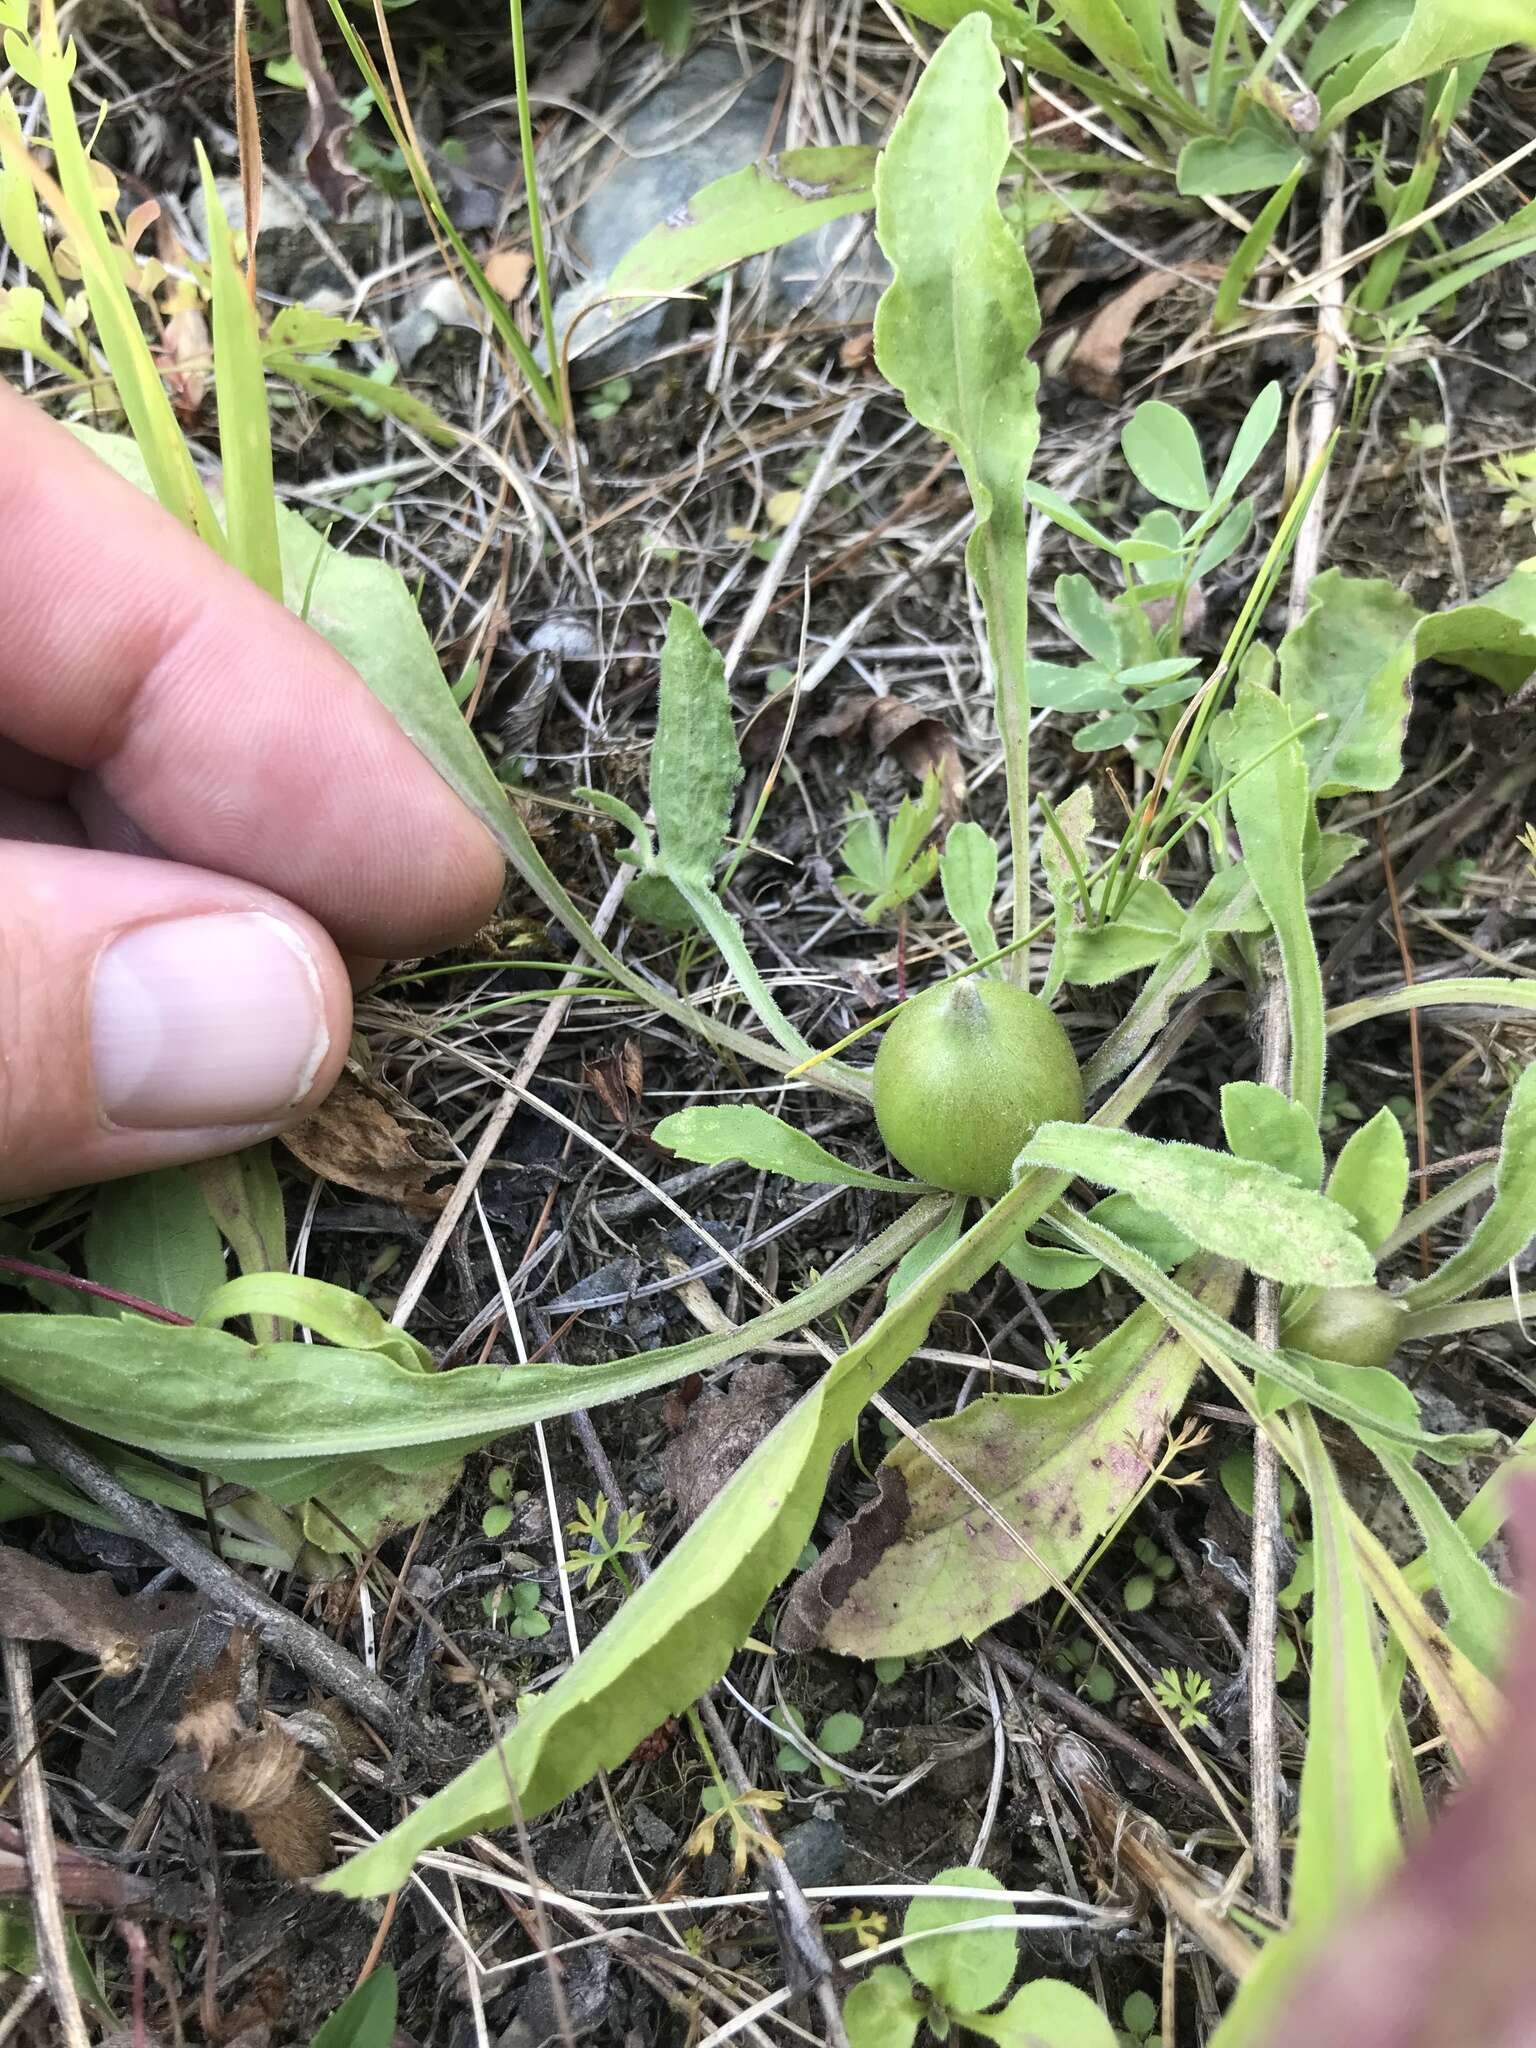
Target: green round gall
x=1353, y=1325
x=965, y=1076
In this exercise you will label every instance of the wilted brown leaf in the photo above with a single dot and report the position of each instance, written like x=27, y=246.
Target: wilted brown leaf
x=358, y=1138
x=323, y=145
x=721, y=1432
x=1095, y=363
x=187, y=348
x=39, y=1603
x=258, y=1774
x=507, y=272
x=619, y=1080
x=918, y=740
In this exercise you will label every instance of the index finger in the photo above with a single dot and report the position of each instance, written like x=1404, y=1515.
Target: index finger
x=226, y=729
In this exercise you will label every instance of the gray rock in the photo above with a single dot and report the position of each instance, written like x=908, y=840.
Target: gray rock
x=816, y=1851
x=652, y=1829
x=708, y=119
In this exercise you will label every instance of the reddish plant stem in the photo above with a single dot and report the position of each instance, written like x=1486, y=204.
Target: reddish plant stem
x=75, y=1285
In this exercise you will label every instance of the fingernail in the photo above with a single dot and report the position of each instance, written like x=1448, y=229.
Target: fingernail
x=206, y=1020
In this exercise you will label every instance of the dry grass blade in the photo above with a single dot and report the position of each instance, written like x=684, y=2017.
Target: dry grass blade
x=37, y=1830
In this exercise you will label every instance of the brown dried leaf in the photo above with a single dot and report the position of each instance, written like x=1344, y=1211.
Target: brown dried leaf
x=507, y=271
x=619, y=1080
x=39, y=1603
x=357, y=1138
x=918, y=740
x=1095, y=363
x=187, y=353
x=721, y=1432
x=323, y=145
x=857, y=349
x=248, y=136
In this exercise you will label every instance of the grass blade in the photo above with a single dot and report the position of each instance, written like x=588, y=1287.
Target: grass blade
x=245, y=433
x=1345, y=1835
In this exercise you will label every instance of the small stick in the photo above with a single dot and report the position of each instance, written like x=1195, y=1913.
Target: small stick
x=331, y=1667
x=1264, y=1587
x=783, y=554
x=1415, y=1049
x=42, y=1866
x=1325, y=374
x=1099, y=1726
x=1264, y=1572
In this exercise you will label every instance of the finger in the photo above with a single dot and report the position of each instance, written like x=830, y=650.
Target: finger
x=231, y=734
x=151, y=1013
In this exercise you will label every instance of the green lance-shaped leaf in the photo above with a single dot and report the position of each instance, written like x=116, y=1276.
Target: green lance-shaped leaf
x=166, y=459
x=1370, y=1178
x=1350, y=658
x=280, y=1415
x=245, y=431
x=742, y=1131
x=1371, y=1401
x=1272, y=807
x=746, y=214
x=928, y=1250
x=153, y=1236
x=367, y=2018
x=334, y=1313
x=1480, y=1609
x=1238, y=1208
x=1439, y=33
x=953, y=333
x=954, y=330
x=1509, y=1222
x=243, y=1193
x=1463, y=992
x=695, y=764
x=1263, y=1124
x=1345, y=1835
x=921, y=1565
x=1227, y=308
x=678, y=1632
x=968, y=872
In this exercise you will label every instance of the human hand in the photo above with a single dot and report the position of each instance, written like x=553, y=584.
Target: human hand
x=152, y=701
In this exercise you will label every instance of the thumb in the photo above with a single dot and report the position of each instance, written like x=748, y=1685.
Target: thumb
x=151, y=1013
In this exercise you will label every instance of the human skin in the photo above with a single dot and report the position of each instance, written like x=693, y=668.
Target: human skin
x=204, y=815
